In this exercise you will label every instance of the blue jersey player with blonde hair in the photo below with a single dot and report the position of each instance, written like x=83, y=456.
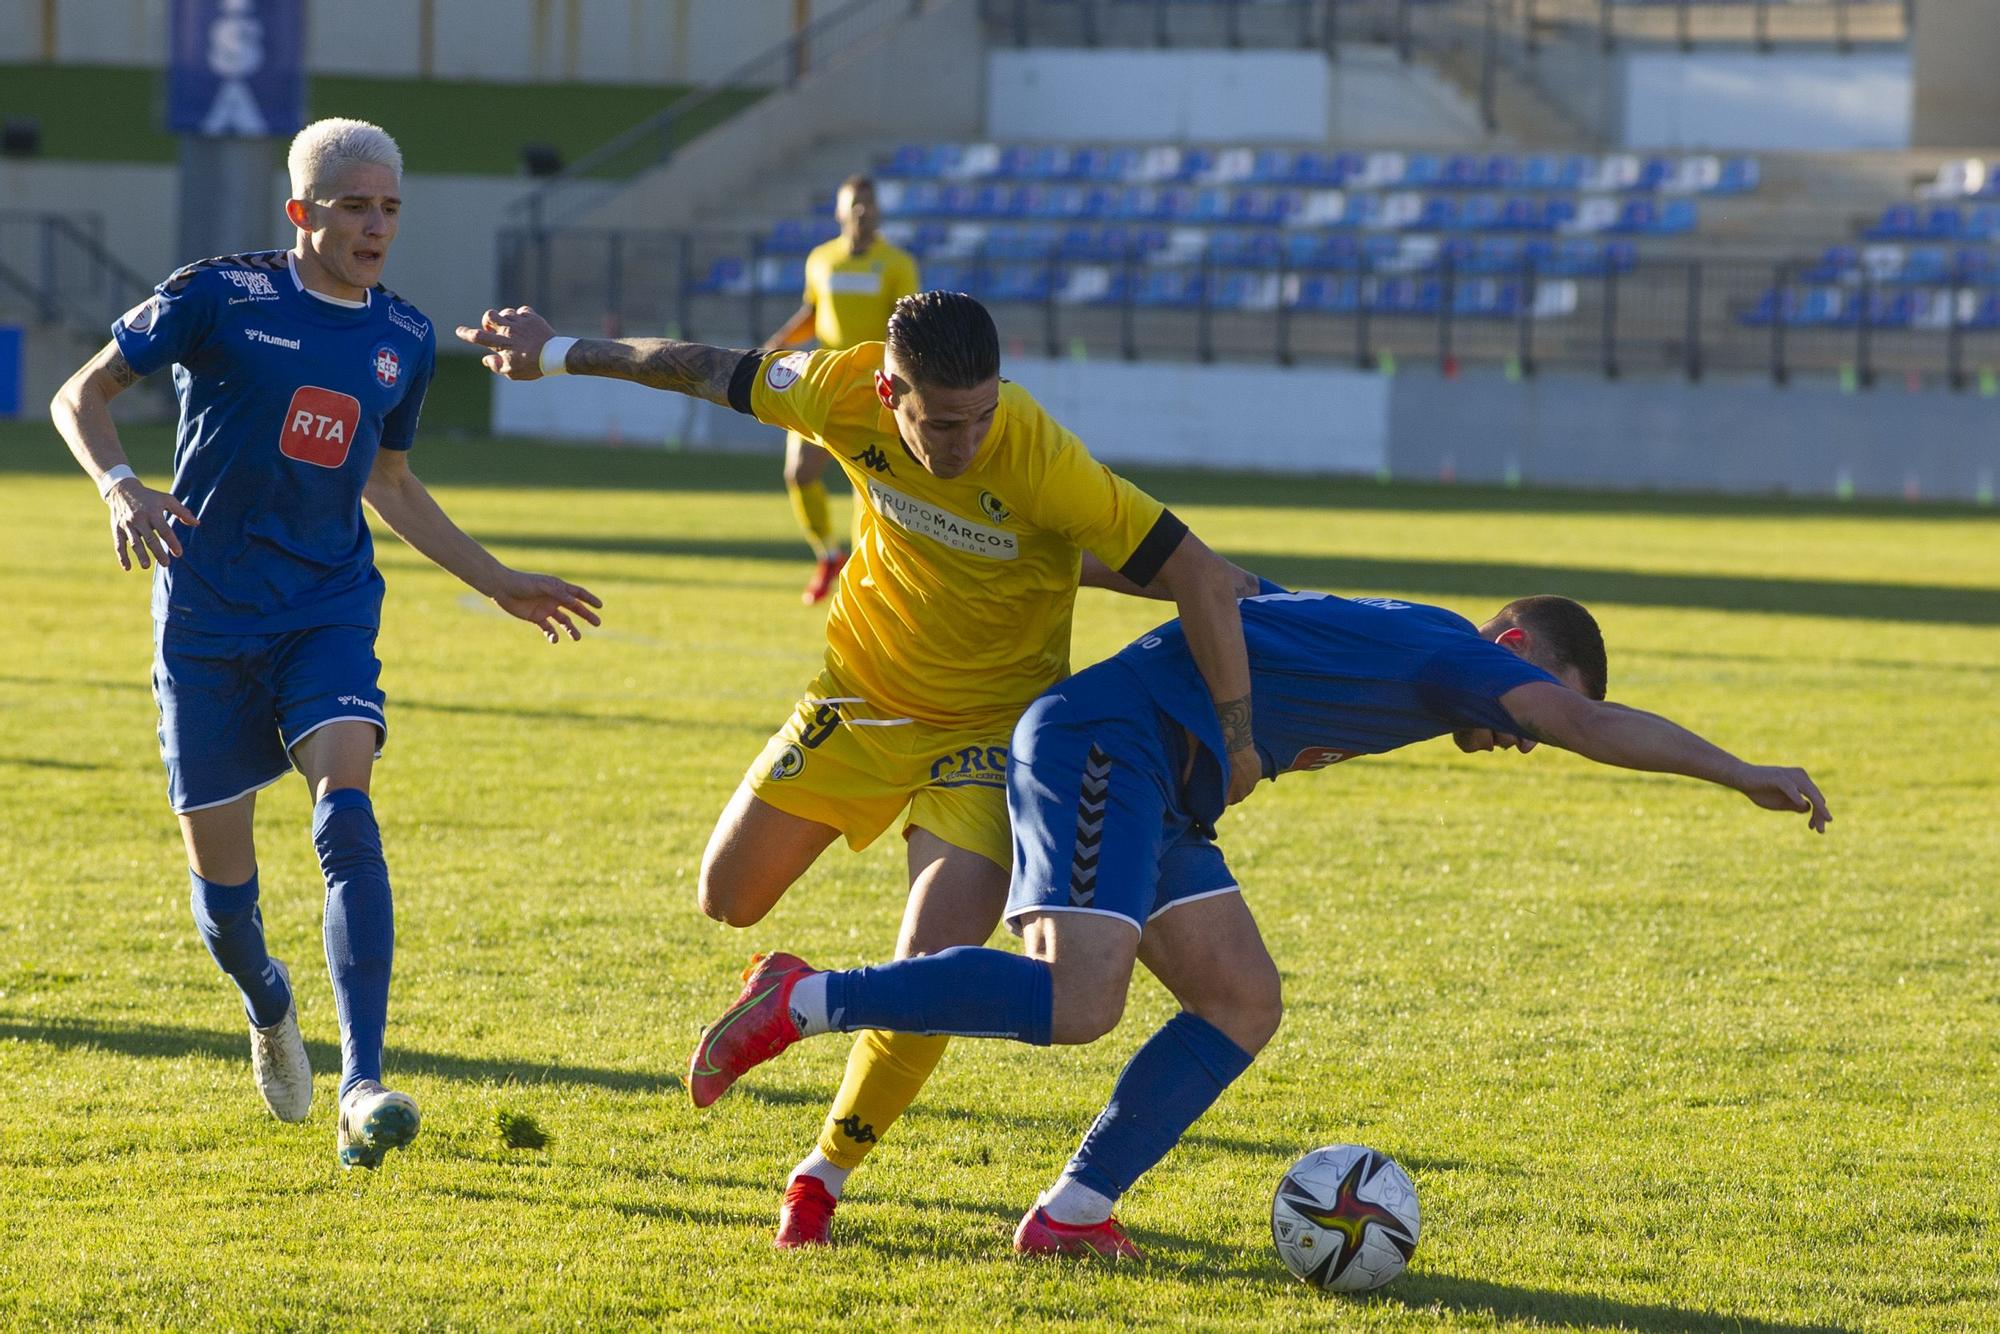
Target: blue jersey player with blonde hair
x=1116, y=779
x=300, y=379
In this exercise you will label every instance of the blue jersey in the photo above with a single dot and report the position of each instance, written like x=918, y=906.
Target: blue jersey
x=1332, y=678
x=285, y=397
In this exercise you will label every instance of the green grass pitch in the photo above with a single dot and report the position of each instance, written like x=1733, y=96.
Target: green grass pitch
x=1655, y=1059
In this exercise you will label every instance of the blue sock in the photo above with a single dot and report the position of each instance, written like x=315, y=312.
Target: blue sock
x=968, y=991
x=360, y=928
x=233, y=929
x=1163, y=1090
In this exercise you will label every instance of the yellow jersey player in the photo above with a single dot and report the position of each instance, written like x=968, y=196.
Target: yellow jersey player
x=852, y=284
x=952, y=616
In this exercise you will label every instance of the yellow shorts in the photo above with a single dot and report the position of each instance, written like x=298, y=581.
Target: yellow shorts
x=837, y=762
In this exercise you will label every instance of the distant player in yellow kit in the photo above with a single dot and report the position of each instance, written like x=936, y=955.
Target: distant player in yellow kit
x=953, y=615
x=852, y=285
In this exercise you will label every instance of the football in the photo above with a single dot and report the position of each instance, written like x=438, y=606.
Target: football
x=1344, y=1218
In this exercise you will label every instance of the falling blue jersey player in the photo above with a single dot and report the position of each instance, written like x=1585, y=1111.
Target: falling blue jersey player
x=1115, y=781
x=300, y=381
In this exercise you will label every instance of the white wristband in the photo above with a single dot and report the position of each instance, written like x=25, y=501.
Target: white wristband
x=113, y=477
x=553, y=354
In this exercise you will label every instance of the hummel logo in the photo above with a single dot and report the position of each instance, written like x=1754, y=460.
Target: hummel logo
x=259, y=336
x=1090, y=806
x=856, y=1129
x=872, y=457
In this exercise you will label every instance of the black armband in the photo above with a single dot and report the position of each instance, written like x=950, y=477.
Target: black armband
x=741, y=379
x=1165, y=536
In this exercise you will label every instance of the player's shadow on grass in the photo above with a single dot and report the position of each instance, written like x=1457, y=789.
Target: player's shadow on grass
x=159, y=1042
x=1474, y=1297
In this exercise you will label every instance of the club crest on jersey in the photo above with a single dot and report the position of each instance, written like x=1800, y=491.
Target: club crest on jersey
x=990, y=505
x=1317, y=757
x=387, y=365
x=791, y=760
x=140, y=318
x=319, y=426
x=783, y=373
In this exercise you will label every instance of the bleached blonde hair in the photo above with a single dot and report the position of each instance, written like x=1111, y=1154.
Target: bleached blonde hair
x=322, y=149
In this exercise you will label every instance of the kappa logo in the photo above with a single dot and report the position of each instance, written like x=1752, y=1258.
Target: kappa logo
x=790, y=762
x=856, y=1129
x=1317, y=757
x=320, y=426
x=140, y=318
x=388, y=367
x=783, y=373
x=974, y=766
x=257, y=286
x=872, y=457
x=990, y=506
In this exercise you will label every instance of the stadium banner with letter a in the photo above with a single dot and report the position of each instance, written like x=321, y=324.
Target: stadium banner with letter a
x=236, y=68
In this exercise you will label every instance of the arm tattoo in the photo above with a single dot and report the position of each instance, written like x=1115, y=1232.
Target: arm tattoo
x=120, y=371
x=1235, y=716
x=1248, y=585
x=660, y=363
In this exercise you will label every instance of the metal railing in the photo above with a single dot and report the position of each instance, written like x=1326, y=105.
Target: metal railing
x=600, y=173
x=1659, y=316
x=58, y=265
x=1329, y=23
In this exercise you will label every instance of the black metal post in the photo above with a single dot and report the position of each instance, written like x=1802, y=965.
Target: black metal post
x=1204, y=314
x=541, y=285
x=1090, y=33
x=756, y=306
x=1447, y=301
x=1954, y=334
x=1610, y=333
x=686, y=311
x=1841, y=39
x=1333, y=29
x=1779, y=371
x=1050, y=333
x=1760, y=11
x=1020, y=22
x=1864, y=325
x=1489, y=54
x=1531, y=36
x=1163, y=30
x=1684, y=25
x=1606, y=38
x=1364, y=355
x=1232, y=17
x=1305, y=25
x=1403, y=45
x=1524, y=332
x=1694, y=367
x=1284, y=312
x=614, y=282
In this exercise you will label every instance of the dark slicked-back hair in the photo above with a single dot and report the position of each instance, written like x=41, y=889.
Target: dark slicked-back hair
x=860, y=180
x=1567, y=631
x=944, y=340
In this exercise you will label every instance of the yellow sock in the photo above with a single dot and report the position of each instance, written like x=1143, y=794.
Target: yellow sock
x=884, y=1072
x=809, y=505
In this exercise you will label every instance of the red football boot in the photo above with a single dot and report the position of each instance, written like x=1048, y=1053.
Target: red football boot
x=756, y=1028
x=807, y=1215
x=824, y=576
x=1041, y=1235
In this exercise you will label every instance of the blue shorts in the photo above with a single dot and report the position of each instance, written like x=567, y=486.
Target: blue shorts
x=1093, y=790
x=233, y=706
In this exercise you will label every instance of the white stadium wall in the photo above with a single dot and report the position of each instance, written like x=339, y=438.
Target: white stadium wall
x=1564, y=430
x=1221, y=96
x=506, y=41
x=1797, y=100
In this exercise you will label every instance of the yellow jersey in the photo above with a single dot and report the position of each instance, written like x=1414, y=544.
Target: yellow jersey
x=955, y=608
x=852, y=295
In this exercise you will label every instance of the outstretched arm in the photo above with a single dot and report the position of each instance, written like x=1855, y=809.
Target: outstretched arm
x=516, y=336
x=81, y=411
x=1096, y=574
x=1205, y=588
x=412, y=513
x=1634, y=739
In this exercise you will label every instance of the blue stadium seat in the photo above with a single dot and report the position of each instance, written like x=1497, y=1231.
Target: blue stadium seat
x=1740, y=175
x=723, y=276
x=1898, y=222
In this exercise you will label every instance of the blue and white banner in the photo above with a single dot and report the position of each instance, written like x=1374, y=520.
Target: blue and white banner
x=236, y=68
